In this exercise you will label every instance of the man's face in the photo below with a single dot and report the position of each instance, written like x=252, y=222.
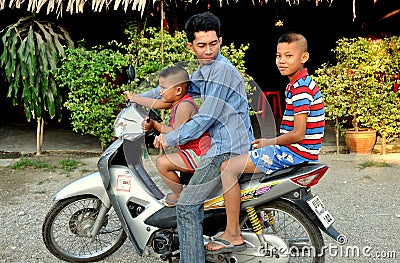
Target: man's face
x=205, y=46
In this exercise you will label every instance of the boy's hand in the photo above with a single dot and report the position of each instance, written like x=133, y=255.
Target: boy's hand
x=147, y=124
x=128, y=96
x=262, y=142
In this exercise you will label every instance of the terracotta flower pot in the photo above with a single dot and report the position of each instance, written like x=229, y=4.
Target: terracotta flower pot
x=361, y=141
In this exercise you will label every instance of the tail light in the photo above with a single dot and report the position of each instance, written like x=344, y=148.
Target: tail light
x=310, y=179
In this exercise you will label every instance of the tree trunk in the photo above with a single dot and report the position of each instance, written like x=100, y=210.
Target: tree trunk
x=383, y=146
x=39, y=135
x=337, y=135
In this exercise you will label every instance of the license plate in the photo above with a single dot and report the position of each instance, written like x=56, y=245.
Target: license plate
x=320, y=211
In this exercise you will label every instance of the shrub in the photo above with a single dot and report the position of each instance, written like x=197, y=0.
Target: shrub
x=360, y=85
x=92, y=77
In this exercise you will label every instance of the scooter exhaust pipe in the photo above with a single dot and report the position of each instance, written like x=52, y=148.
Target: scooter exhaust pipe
x=232, y=259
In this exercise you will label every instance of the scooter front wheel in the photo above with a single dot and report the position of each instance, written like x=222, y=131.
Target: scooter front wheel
x=67, y=227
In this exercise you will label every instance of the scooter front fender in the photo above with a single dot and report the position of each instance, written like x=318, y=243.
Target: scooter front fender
x=91, y=184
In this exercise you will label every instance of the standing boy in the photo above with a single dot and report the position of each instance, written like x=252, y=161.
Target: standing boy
x=301, y=134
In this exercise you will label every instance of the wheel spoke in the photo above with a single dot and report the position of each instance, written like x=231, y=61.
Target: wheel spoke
x=286, y=227
x=67, y=230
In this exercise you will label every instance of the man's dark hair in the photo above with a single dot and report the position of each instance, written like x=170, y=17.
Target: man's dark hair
x=206, y=21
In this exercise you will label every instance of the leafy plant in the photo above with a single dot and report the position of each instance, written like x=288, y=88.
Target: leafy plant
x=144, y=52
x=359, y=86
x=93, y=78
x=31, y=51
x=25, y=162
x=95, y=97
x=367, y=164
x=68, y=165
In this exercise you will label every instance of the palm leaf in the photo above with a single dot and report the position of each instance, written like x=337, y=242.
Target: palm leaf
x=49, y=40
x=50, y=102
x=58, y=45
x=11, y=58
x=66, y=37
x=31, y=56
x=42, y=55
x=13, y=89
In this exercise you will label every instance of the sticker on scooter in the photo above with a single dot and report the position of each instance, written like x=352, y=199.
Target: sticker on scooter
x=124, y=183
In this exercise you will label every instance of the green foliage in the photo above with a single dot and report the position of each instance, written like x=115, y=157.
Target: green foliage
x=25, y=162
x=31, y=51
x=373, y=164
x=94, y=96
x=144, y=52
x=360, y=84
x=94, y=99
x=68, y=165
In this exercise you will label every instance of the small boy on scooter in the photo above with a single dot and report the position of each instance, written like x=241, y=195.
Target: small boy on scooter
x=173, y=84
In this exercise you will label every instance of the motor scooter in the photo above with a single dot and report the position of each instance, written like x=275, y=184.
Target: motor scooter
x=281, y=219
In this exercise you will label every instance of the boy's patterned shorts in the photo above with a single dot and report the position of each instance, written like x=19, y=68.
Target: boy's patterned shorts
x=274, y=157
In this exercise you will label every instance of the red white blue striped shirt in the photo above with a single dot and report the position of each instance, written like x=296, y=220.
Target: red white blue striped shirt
x=303, y=96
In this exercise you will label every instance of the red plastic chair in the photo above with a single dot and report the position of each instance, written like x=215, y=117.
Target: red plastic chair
x=276, y=106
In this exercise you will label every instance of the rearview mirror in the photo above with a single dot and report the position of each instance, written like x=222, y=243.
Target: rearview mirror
x=131, y=73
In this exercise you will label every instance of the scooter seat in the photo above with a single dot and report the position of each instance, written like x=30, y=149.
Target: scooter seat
x=262, y=177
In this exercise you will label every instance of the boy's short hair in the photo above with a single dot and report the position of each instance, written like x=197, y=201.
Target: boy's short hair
x=176, y=75
x=206, y=21
x=291, y=37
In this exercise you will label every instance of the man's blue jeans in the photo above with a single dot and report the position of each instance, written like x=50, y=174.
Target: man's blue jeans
x=190, y=212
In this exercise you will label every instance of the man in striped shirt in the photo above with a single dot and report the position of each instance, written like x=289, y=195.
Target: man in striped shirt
x=300, y=139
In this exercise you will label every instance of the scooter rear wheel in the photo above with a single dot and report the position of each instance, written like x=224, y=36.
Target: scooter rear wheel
x=68, y=223
x=287, y=227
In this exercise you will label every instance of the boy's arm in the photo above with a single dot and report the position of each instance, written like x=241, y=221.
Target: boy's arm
x=294, y=136
x=147, y=101
x=184, y=112
x=150, y=102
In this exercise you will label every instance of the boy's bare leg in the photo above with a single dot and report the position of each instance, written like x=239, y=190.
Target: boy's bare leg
x=231, y=169
x=167, y=165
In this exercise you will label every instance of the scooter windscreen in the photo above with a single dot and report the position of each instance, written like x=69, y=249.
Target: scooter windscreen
x=128, y=123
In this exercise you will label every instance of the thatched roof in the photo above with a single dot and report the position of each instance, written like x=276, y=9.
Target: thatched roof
x=75, y=6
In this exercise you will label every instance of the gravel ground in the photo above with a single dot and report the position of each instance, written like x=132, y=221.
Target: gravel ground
x=364, y=203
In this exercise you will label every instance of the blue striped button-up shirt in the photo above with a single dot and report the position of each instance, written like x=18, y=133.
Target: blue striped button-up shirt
x=223, y=113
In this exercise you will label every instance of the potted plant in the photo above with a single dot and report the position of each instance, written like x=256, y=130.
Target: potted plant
x=358, y=89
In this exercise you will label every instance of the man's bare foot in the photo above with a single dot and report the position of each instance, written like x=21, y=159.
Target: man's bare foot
x=218, y=244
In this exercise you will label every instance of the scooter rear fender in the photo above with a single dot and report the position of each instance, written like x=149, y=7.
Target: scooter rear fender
x=91, y=184
x=301, y=202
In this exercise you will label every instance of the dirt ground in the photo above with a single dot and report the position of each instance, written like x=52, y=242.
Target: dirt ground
x=17, y=182
x=361, y=191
